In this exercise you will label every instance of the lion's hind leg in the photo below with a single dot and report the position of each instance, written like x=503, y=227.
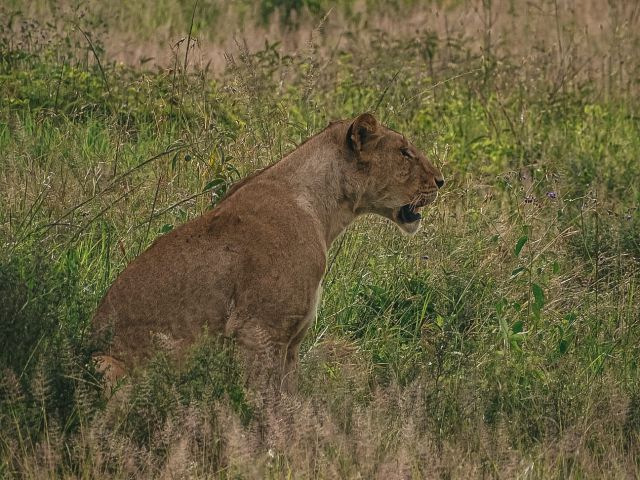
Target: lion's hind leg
x=111, y=369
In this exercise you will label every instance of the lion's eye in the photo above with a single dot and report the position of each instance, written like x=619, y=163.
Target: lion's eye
x=406, y=153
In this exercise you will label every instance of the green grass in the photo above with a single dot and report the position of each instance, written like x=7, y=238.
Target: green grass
x=501, y=341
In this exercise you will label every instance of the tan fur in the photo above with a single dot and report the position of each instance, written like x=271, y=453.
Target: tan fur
x=251, y=268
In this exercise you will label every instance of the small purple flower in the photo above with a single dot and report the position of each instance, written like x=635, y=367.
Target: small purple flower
x=552, y=195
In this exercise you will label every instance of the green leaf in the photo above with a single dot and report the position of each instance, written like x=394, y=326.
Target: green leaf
x=563, y=345
x=521, y=242
x=538, y=295
x=516, y=339
x=517, y=327
x=216, y=182
x=166, y=228
x=517, y=272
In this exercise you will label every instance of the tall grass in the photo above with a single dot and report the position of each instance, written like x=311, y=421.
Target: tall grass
x=501, y=341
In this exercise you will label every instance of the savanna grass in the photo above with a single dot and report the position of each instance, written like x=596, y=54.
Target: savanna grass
x=503, y=340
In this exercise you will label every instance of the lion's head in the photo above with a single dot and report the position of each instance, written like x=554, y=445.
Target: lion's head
x=399, y=179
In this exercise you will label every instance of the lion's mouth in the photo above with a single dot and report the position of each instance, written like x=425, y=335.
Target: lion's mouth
x=409, y=213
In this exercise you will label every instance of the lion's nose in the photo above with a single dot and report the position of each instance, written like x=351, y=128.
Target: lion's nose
x=439, y=182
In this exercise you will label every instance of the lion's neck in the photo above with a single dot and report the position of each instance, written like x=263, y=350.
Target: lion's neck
x=314, y=173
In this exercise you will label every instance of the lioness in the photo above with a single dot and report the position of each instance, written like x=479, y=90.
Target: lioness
x=251, y=268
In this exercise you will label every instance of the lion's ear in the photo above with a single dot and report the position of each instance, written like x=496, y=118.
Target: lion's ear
x=363, y=129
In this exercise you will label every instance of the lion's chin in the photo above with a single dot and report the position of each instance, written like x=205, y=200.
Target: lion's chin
x=407, y=218
x=409, y=228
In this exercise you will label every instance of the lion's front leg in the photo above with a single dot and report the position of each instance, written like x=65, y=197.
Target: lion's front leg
x=270, y=347
x=290, y=372
x=292, y=359
x=263, y=355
